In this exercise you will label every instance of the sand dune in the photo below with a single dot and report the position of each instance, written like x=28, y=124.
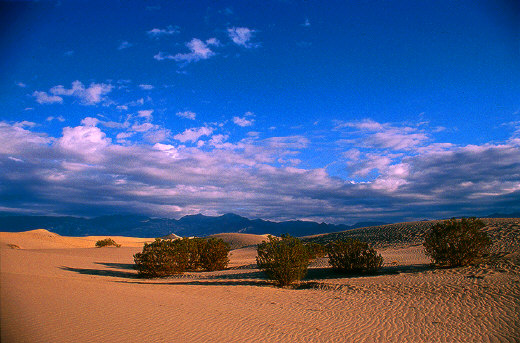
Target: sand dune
x=76, y=294
x=240, y=240
x=44, y=239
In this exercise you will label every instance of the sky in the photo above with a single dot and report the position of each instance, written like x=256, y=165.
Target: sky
x=334, y=111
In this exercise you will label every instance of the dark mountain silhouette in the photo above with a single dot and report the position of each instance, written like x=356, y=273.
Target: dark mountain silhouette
x=142, y=226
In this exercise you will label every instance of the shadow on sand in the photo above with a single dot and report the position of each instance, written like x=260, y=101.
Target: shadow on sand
x=101, y=272
x=324, y=273
x=128, y=266
x=248, y=277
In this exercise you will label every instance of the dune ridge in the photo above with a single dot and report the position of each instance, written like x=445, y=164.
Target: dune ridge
x=44, y=239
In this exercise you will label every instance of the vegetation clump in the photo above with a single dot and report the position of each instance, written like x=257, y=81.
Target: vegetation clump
x=170, y=257
x=285, y=260
x=454, y=243
x=107, y=242
x=353, y=256
x=316, y=250
x=214, y=254
x=162, y=258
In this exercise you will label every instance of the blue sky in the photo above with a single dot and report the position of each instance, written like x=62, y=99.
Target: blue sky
x=337, y=111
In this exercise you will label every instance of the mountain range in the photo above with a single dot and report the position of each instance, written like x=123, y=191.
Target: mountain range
x=191, y=225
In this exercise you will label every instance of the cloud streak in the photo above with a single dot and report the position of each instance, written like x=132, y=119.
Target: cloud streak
x=168, y=31
x=91, y=95
x=199, y=50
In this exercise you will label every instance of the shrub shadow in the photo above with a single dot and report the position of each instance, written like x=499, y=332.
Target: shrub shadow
x=323, y=273
x=207, y=282
x=101, y=272
x=129, y=266
x=251, y=277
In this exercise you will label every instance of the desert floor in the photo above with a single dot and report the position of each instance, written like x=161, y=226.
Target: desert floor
x=62, y=289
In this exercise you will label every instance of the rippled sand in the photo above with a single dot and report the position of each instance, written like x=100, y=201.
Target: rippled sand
x=62, y=291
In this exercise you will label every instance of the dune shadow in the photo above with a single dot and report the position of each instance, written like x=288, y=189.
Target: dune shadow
x=129, y=266
x=101, y=272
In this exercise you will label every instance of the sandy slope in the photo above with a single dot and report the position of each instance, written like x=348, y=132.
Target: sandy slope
x=43, y=239
x=240, y=240
x=92, y=295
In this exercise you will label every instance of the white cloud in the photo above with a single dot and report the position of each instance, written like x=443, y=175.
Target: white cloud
x=199, y=50
x=169, y=30
x=156, y=135
x=218, y=140
x=256, y=176
x=213, y=41
x=371, y=134
x=92, y=95
x=14, y=159
x=58, y=118
x=89, y=121
x=193, y=134
x=241, y=36
x=243, y=121
x=168, y=149
x=161, y=56
x=187, y=115
x=86, y=142
x=44, y=98
x=124, y=45
x=143, y=127
x=19, y=141
x=147, y=114
x=146, y=87
x=25, y=123
x=307, y=23
x=287, y=142
x=122, y=136
x=21, y=84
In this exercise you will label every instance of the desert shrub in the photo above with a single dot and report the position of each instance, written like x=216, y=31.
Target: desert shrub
x=315, y=250
x=353, y=256
x=106, y=243
x=194, y=247
x=285, y=260
x=456, y=242
x=170, y=257
x=214, y=254
x=162, y=258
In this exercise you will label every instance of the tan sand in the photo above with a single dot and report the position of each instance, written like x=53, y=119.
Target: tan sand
x=74, y=294
x=240, y=240
x=44, y=239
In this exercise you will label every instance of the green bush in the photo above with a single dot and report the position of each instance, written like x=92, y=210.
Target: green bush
x=214, y=254
x=315, y=250
x=170, y=257
x=455, y=242
x=353, y=256
x=285, y=260
x=194, y=247
x=162, y=258
x=106, y=243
